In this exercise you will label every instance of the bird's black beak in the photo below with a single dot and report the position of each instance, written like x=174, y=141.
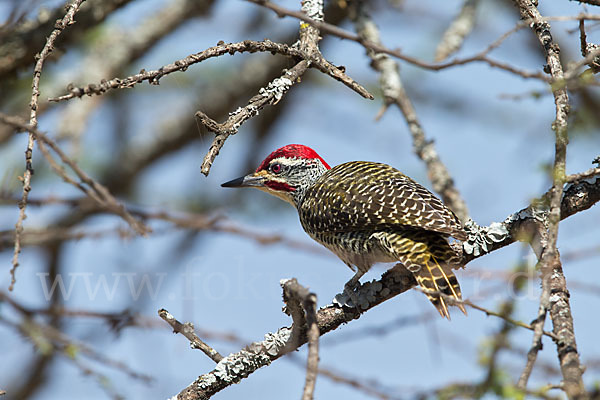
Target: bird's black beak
x=251, y=180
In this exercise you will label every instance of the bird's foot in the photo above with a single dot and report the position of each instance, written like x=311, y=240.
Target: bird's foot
x=352, y=290
x=356, y=295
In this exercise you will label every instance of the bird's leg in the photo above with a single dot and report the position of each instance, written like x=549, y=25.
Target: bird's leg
x=351, y=286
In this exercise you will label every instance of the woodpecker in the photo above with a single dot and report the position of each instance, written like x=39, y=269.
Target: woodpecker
x=365, y=213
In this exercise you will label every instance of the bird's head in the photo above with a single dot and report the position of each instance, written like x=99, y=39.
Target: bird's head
x=286, y=173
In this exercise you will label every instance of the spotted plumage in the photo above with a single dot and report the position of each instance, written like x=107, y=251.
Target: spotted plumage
x=365, y=213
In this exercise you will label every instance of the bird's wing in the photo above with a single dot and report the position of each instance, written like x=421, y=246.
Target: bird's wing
x=360, y=195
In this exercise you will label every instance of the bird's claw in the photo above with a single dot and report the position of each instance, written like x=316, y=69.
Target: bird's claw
x=356, y=295
x=351, y=290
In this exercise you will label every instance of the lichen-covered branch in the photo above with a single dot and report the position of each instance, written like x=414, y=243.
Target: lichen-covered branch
x=266, y=46
x=240, y=365
x=550, y=264
x=153, y=77
x=521, y=225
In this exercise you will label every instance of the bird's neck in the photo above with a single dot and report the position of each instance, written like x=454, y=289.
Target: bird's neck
x=312, y=174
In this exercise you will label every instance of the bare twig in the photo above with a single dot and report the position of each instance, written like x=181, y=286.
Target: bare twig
x=187, y=330
x=538, y=323
x=583, y=175
x=582, y=38
x=312, y=363
x=366, y=385
x=453, y=301
x=538, y=331
x=506, y=318
x=394, y=93
x=49, y=338
x=26, y=179
x=191, y=221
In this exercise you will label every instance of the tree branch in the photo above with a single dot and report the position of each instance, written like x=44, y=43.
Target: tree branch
x=187, y=330
x=238, y=366
x=553, y=280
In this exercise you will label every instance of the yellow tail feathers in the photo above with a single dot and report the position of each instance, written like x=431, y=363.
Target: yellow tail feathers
x=430, y=258
x=435, y=279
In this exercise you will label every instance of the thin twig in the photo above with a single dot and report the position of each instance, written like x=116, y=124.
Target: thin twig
x=26, y=179
x=312, y=363
x=583, y=175
x=536, y=345
x=453, y=301
x=367, y=385
x=538, y=323
x=38, y=332
x=187, y=330
x=582, y=38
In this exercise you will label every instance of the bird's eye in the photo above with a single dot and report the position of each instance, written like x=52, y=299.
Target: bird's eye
x=276, y=168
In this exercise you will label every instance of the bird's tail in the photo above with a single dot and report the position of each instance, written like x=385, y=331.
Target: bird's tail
x=429, y=257
x=434, y=278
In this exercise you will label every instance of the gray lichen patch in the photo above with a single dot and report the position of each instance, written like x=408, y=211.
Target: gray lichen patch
x=276, y=89
x=481, y=237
